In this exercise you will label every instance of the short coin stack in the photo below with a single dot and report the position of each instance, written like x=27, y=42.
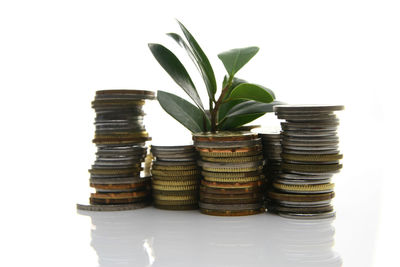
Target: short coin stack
x=120, y=139
x=176, y=177
x=232, y=165
x=272, y=151
x=310, y=158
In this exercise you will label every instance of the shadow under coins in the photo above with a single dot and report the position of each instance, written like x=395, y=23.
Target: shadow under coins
x=152, y=237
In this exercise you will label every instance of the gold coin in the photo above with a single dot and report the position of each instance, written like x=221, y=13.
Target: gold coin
x=175, y=173
x=247, y=169
x=233, y=159
x=195, y=177
x=230, y=174
x=175, y=187
x=304, y=187
x=184, y=182
x=311, y=167
x=175, y=198
x=316, y=158
x=115, y=171
x=174, y=168
x=234, y=180
x=229, y=154
x=234, y=185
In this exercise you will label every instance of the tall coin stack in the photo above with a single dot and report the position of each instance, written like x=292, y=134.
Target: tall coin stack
x=176, y=177
x=232, y=164
x=272, y=151
x=310, y=158
x=120, y=139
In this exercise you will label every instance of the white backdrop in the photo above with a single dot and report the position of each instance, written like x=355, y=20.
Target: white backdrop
x=54, y=55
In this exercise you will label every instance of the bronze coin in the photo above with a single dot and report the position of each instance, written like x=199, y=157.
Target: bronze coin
x=231, y=213
x=120, y=195
x=300, y=197
x=99, y=201
x=231, y=185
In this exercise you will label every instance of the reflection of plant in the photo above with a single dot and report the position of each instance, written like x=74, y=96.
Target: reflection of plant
x=239, y=102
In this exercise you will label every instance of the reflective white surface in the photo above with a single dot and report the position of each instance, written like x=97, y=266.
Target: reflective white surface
x=151, y=237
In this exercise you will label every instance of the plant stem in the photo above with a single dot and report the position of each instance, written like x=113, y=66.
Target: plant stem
x=214, y=112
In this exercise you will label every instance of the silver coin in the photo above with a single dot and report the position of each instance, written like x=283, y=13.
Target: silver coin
x=309, y=152
x=304, y=203
x=305, y=133
x=310, y=139
x=228, y=144
x=292, y=176
x=303, y=181
x=310, y=148
x=310, y=128
x=312, y=162
x=311, y=173
x=310, y=144
x=191, y=155
x=307, y=117
x=128, y=180
x=121, y=207
x=172, y=148
x=308, y=108
x=309, y=216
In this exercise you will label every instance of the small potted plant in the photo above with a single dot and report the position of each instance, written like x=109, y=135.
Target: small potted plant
x=231, y=160
x=238, y=103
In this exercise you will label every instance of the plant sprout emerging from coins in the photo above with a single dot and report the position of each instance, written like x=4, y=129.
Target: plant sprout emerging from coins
x=239, y=102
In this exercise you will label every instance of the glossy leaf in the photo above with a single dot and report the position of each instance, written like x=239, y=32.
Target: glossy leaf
x=183, y=44
x=203, y=62
x=251, y=91
x=252, y=107
x=226, y=107
x=183, y=111
x=176, y=70
x=235, y=59
x=237, y=121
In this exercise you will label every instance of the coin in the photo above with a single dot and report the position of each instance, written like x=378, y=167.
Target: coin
x=112, y=207
x=224, y=136
x=230, y=154
x=321, y=215
x=176, y=207
x=231, y=185
x=308, y=108
x=305, y=188
x=228, y=144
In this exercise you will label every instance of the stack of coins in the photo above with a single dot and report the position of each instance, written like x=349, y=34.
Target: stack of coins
x=120, y=139
x=272, y=151
x=232, y=169
x=176, y=177
x=310, y=158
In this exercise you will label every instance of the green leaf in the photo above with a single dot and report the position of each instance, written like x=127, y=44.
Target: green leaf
x=183, y=44
x=237, y=121
x=251, y=91
x=203, y=62
x=181, y=110
x=176, y=70
x=235, y=59
x=225, y=107
x=252, y=107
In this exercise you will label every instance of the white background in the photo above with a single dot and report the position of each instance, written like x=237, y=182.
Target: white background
x=54, y=55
